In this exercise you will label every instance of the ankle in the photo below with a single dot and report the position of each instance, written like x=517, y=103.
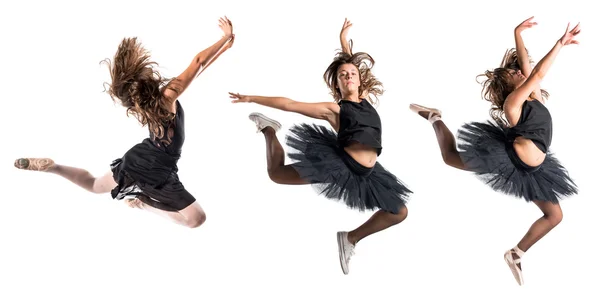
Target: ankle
x=518, y=251
x=435, y=118
x=268, y=130
x=352, y=238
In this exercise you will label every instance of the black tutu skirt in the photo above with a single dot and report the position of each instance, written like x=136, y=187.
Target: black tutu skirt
x=486, y=150
x=334, y=174
x=147, y=173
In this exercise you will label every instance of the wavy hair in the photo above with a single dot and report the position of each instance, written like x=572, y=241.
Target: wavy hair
x=138, y=87
x=497, y=85
x=364, y=63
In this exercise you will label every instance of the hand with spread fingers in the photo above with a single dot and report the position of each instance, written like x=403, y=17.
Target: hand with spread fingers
x=237, y=98
x=569, y=36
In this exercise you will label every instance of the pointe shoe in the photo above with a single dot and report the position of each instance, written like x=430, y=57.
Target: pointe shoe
x=513, y=263
x=34, y=164
x=434, y=113
x=263, y=121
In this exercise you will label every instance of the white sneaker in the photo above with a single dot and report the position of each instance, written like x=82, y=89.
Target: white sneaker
x=345, y=249
x=513, y=263
x=263, y=121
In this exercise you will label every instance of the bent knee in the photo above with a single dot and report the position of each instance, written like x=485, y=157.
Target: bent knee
x=555, y=218
x=401, y=215
x=276, y=175
x=403, y=212
x=452, y=159
x=196, y=220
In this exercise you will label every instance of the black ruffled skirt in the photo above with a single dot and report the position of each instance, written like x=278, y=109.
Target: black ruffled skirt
x=334, y=174
x=150, y=175
x=487, y=151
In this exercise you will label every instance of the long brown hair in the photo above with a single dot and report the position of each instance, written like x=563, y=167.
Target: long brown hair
x=138, y=87
x=497, y=85
x=364, y=63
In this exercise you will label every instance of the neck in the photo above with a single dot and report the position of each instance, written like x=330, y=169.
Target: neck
x=351, y=97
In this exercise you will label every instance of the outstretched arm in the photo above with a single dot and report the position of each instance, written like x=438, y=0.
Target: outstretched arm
x=346, y=46
x=514, y=101
x=322, y=111
x=201, y=61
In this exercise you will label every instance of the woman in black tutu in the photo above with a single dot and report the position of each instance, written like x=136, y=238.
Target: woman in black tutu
x=342, y=165
x=146, y=176
x=511, y=154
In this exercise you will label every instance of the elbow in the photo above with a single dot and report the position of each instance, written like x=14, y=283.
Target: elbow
x=200, y=60
x=537, y=75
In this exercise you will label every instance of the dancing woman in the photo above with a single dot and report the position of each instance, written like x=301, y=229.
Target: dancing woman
x=146, y=176
x=341, y=165
x=511, y=154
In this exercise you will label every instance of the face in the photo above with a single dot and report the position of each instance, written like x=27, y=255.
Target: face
x=348, y=79
x=517, y=78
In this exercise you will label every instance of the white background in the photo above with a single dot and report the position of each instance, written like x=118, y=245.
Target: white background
x=261, y=238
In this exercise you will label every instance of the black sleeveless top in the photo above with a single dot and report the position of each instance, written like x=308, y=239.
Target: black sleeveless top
x=176, y=130
x=535, y=123
x=359, y=122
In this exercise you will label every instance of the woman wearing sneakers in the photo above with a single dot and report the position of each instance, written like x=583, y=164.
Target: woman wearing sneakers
x=512, y=155
x=341, y=164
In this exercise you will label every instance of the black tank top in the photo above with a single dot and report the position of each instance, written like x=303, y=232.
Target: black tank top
x=535, y=124
x=176, y=130
x=359, y=122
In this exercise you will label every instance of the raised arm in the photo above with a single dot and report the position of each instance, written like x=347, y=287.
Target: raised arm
x=346, y=46
x=327, y=111
x=514, y=101
x=201, y=61
x=522, y=54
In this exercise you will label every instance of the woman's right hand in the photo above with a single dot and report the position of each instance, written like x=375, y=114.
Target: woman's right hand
x=237, y=98
x=569, y=36
x=345, y=28
x=227, y=27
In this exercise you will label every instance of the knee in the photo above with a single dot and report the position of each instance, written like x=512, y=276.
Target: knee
x=401, y=215
x=275, y=175
x=554, y=217
x=446, y=158
x=196, y=220
x=450, y=157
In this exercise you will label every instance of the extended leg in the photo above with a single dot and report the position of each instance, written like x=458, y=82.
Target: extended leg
x=78, y=176
x=446, y=139
x=278, y=171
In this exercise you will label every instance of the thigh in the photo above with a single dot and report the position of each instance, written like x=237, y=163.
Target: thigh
x=549, y=208
x=105, y=183
x=171, y=196
x=287, y=175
